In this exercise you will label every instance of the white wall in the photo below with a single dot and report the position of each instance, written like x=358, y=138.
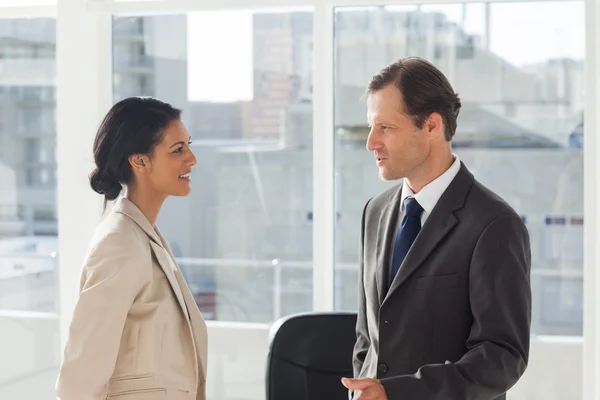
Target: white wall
x=29, y=345
x=29, y=349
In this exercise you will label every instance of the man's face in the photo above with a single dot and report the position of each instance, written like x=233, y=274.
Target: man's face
x=399, y=146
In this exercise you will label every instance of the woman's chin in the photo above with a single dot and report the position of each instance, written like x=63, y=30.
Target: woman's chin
x=184, y=188
x=181, y=192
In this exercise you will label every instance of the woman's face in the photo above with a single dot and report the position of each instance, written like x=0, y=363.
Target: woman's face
x=171, y=162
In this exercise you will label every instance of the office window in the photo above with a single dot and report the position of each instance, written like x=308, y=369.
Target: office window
x=520, y=131
x=516, y=138
x=29, y=329
x=242, y=237
x=31, y=149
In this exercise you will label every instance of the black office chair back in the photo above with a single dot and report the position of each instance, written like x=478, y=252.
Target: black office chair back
x=309, y=354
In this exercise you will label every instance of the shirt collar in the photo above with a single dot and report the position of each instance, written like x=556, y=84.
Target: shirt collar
x=431, y=193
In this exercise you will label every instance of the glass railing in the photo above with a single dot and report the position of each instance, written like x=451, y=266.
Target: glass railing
x=241, y=290
x=29, y=325
x=29, y=283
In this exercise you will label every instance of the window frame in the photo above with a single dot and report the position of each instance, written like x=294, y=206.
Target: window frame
x=84, y=28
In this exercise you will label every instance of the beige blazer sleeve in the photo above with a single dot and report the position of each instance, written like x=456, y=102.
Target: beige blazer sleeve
x=111, y=277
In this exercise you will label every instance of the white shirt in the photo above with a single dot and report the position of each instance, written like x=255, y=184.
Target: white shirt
x=431, y=193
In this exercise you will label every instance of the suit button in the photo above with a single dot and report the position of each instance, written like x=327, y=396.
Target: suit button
x=382, y=368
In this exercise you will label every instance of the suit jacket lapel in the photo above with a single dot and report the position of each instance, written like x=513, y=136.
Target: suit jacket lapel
x=168, y=267
x=128, y=208
x=198, y=326
x=434, y=230
x=388, y=222
x=438, y=225
x=191, y=310
x=167, y=263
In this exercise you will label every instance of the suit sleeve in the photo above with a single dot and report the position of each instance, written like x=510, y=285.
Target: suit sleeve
x=498, y=343
x=363, y=341
x=111, y=278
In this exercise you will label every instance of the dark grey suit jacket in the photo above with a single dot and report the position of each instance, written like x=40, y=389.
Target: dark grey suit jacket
x=454, y=325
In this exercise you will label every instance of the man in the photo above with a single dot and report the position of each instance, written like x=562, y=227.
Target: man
x=444, y=291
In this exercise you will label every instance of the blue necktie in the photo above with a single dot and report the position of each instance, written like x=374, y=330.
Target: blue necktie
x=407, y=232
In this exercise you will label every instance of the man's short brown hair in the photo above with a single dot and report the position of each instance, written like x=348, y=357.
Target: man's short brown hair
x=424, y=89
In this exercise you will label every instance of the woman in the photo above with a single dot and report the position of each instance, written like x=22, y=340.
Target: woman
x=136, y=331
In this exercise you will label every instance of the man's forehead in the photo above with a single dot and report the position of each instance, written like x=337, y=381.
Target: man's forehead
x=385, y=109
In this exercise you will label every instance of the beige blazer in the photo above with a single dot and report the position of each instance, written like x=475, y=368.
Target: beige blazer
x=136, y=331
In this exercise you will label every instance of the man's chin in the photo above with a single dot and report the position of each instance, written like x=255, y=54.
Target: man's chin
x=387, y=176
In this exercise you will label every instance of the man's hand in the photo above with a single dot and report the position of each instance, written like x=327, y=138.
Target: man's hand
x=370, y=389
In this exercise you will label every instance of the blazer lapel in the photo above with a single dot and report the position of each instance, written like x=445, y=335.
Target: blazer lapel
x=168, y=267
x=167, y=263
x=128, y=208
x=198, y=326
x=388, y=222
x=191, y=309
x=434, y=230
x=438, y=225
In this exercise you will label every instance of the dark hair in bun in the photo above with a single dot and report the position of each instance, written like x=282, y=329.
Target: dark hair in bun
x=105, y=184
x=132, y=126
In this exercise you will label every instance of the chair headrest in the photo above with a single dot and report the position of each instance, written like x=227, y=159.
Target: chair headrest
x=322, y=341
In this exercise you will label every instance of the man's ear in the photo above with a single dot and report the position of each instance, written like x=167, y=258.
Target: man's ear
x=434, y=125
x=138, y=161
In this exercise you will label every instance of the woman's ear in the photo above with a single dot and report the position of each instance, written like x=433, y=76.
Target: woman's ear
x=138, y=161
